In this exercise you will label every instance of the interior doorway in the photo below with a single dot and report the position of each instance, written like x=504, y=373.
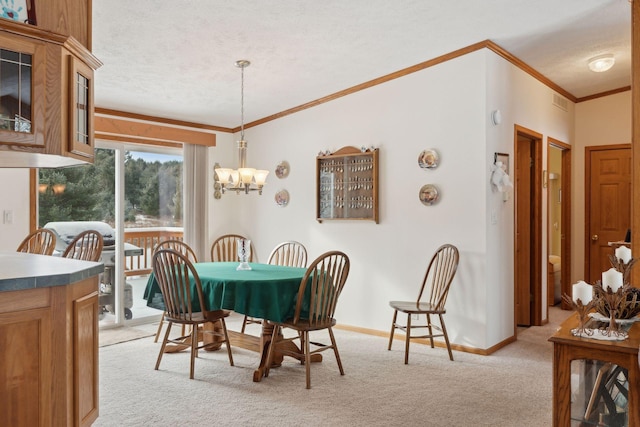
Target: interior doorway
x=528, y=221
x=608, y=204
x=558, y=182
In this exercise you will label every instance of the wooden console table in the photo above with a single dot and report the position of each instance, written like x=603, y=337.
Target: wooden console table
x=567, y=348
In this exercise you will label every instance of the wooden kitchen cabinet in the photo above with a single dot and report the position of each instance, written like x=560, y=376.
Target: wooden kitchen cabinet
x=49, y=343
x=47, y=107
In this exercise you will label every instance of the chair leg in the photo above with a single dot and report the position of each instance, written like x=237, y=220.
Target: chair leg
x=301, y=337
x=271, y=351
x=244, y=324
x=335, y=351
x=407, y=340
x=159, y=328
x=194, y=349
x=393, y=328
x=430, y=330
x=226, y=341
x=446, y=337
x=164, y=344
x=248, y=320
x=307, y=358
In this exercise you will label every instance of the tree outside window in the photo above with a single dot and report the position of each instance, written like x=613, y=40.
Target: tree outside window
x=153, y=191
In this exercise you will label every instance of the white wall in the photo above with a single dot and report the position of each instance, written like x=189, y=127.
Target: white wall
x=14, y=197
x=601, y=121
x=445, y=107
x=524, y=101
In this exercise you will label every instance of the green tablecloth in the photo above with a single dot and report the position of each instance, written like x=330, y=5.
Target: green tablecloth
x=266, y=291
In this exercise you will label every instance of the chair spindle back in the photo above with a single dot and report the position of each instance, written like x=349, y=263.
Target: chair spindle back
x=86, y=246
x=442, y=268
x=175, y=273
x=41, y=242
x=291, y=253
x=178, y=246
x=225, y=248
x=323, y=282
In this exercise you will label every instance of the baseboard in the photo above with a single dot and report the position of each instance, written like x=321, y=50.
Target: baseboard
x=437, y=343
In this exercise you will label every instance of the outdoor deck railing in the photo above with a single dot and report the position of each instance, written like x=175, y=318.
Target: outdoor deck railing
x=147, y=239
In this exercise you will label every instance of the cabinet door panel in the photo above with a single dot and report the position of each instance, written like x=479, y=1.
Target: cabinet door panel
x=22, y=89
x=85, y=367
x=25, y=369
x=80, y=108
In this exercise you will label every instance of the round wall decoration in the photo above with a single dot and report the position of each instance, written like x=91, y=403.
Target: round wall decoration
x=429, y=194
x=282, y=170
x=282, y=198
x=428, y=159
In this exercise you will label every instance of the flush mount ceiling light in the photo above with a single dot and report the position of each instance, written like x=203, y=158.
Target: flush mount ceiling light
x=601, y=63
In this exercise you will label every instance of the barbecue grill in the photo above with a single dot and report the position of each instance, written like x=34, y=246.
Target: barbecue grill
x=66, y=231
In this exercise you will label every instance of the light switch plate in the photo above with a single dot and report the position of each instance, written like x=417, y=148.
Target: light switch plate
x=7, y=217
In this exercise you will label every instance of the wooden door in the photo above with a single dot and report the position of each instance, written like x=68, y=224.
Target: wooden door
x=565, y=276
x=608, y=178
x=559, y=218
x=528, y=223
x=523, y=182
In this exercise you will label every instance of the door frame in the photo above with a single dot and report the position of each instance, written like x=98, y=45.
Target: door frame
x=565, y=219
x=536, y=240
x=587, y=196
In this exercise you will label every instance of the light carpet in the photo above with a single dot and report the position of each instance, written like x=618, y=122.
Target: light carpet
x=512, y=387
x=119, y=335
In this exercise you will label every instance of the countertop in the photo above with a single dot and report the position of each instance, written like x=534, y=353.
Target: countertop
x=20, y=271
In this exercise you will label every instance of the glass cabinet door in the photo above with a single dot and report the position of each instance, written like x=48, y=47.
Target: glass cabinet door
x=599, y=394
x=21, y=92
x=81, y=108
x=15, y=87
x=347, y=185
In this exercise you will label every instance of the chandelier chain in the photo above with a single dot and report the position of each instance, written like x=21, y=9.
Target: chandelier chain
x=242, y=103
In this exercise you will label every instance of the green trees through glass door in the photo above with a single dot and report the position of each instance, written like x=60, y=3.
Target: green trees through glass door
x=153, y=191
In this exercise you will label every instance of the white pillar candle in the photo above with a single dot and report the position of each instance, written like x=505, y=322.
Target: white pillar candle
x=582, y=291
x=611, y=279
x=623, y=253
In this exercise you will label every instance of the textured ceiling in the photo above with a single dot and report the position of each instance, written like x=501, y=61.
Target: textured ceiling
x=175, y=59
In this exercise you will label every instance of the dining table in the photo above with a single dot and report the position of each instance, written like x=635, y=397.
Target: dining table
x=267, y=292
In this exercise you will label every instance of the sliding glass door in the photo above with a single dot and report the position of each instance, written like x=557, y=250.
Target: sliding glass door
x=138, y=193
x=153, y=211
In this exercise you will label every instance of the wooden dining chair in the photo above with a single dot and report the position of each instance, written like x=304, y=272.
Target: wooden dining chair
x=41, y=241
x=184, y=249
x=174, y=273
x=225, y=249
x=318, y=295
x=439, y=275
x=86, y=246
x=290, y=253
x=179, y=246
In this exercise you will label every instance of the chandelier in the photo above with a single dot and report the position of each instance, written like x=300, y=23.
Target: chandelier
x=244, y=178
